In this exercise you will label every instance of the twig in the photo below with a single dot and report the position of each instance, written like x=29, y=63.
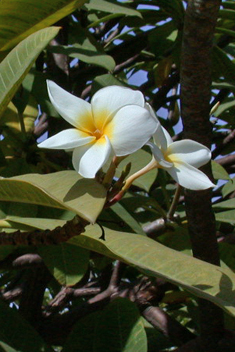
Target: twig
x=11, y=295
x=68, y=294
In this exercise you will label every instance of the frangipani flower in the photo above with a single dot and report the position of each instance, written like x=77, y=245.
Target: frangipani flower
x=181, y=159
x=116, y=122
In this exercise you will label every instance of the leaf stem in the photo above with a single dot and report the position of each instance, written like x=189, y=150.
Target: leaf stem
x=174, y=203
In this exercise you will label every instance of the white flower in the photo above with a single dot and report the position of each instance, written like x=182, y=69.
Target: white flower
x=181, y=159
x=116, y=122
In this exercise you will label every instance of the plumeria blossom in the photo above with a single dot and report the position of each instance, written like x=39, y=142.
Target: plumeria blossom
x=181, y=159
x=116, y=122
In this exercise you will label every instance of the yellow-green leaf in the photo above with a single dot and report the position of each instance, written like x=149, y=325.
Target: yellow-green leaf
x=19, y=19
x=63, y=190
x=202, y=279
x=17, y=63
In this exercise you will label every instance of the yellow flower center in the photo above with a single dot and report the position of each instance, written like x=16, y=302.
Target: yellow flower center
x=97, y=134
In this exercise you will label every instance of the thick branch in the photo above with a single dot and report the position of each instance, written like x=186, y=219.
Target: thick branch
x=59, y=234
x=200, y=21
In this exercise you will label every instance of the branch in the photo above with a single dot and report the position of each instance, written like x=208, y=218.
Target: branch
x=226, y=161
x=170, y=327
x=160, y=96
x=59, y=234
x=226, y=142
x=34, y=285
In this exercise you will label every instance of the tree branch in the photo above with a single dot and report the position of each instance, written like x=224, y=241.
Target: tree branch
x=72, y=228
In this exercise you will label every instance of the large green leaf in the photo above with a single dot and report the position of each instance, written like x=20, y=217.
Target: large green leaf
x=17, y=63
x=118, y=328
x=68, y=263
x=18, y=333
x=20, y=215
x=19, y=19
x=200, y=278
x=34, y=223
x=111, y=7
x=63, y=190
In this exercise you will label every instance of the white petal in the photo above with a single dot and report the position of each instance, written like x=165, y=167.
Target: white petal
x=150, y=109
x=130, y=128
x=162, y=138
x=110, y=99
x=190, y=177
x=88, y=159
x=67, y=139
x=189, y=152
x=158, y=156
x=74, y=110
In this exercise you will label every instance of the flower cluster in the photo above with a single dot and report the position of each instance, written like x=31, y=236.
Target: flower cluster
x=118, y=122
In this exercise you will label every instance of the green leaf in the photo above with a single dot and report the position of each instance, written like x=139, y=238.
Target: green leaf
x=83, y=335
x=14, y=215
x=228, y=4
x=226, y=216
x=6, y=348
x=63, y=190
x=18, y=333
x=87, y=53
x=104, y=81
x=228, y=187
x=219, y=172
x=227, y=254
x=17, y=63
x=226, y=31
x=230, y=203
x=86, y=48
x=139, y=160
x=200, y=278
x=127, y=218
x=173, y=8
x=118, y=328
x=162, y=39
x=67, y=263
x=19, y=19
x=222, y=65
x=36, y=223
x=120, y=323
x=227, y=14
x=110, y=7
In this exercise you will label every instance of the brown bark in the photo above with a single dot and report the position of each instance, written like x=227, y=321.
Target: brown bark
x=200, y=21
